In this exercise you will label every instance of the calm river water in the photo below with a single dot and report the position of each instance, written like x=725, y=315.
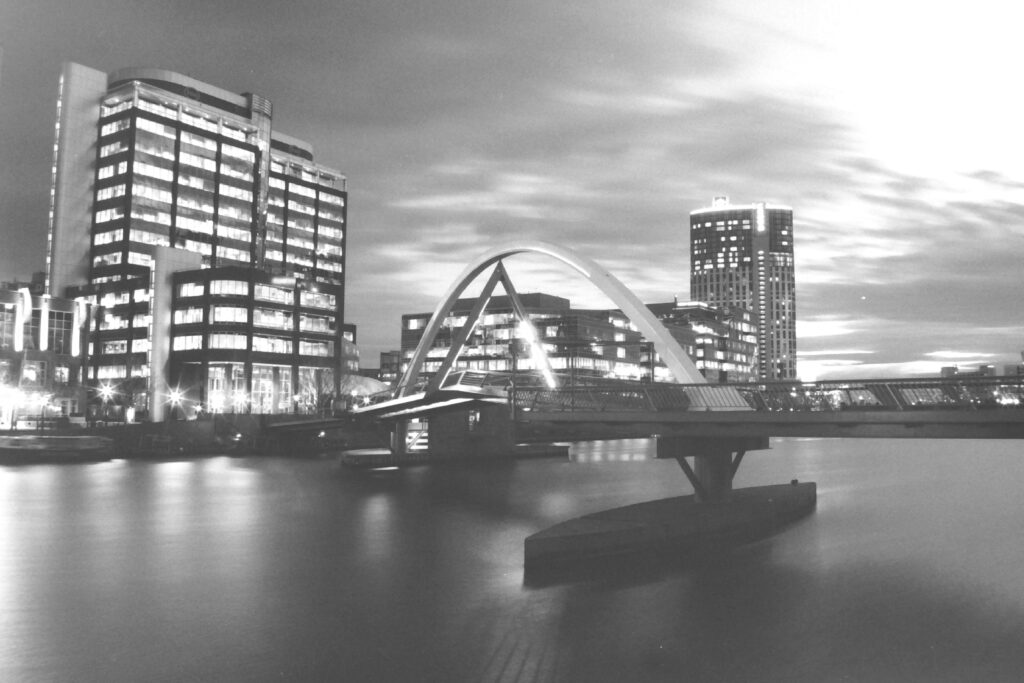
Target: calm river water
x=228, y=569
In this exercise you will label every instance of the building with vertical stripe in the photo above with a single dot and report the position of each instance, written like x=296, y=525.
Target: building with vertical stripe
x=742, y=255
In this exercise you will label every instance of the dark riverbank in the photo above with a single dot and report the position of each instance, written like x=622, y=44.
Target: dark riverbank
x=233, y=434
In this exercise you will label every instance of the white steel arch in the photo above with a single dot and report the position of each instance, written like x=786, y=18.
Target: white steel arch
x=677, y=360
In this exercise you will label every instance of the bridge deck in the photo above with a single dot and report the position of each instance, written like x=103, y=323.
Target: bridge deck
x=919, y=424
x=990, y=407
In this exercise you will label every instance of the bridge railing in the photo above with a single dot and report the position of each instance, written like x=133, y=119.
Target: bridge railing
x=884, y=394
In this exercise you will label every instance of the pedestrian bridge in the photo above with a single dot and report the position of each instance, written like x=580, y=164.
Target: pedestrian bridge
x=966, y=408
x=706, y=428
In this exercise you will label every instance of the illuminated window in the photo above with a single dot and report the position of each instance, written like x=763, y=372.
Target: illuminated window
x=145, y=237
x=198, y=161
x=188, y=342
x=232, y=254
x=201, y=226
x=154, y=127
x=278, y=320
x=191, y=289
x=187, y=316
x=109, y=214
x=229, y=287
x=233, y=233
x=268, y=293
x=113, y=148
x=109, y=109
x=114, y=347
x=317, y=299
x=235, y=192
x=111, y=372
x=110, y=192
x=308, y=348
x=107, y=260
x=198, y=247
x=114, y=126
x=152, y=171
x=228, y=341
x=138, y=259
x=314, y=323
x=230, y=314
x=108, y=237
x=195, y=182
x=271, y=344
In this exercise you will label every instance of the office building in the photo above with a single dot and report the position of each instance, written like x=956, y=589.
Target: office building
x=582, y=345
x=157, y=174
x=390, y=366
x=742, y=256
x=721, y=341
x=586, y=344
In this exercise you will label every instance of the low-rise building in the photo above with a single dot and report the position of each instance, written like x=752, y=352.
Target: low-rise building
x=42, y=355
x=244, y=341
x=587, y=343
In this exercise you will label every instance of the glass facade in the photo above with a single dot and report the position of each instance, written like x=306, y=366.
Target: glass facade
x=584, y=344
x=241, y=344
x=183, y=165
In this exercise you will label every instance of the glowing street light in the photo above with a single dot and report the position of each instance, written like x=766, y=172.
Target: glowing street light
x=175, y=397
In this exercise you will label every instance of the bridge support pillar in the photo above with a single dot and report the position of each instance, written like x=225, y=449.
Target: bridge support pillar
x=715, y=461
x=399, y=437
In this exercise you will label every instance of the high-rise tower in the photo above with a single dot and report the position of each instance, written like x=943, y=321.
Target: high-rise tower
x=742, y=255
x=156, y=175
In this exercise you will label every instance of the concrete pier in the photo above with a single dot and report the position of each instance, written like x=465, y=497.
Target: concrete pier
x=674, y=525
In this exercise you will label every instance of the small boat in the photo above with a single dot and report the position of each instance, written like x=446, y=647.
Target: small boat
x=38, y=448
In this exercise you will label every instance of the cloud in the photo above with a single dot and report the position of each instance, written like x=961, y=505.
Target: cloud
x=460, y=125
x=958, y=355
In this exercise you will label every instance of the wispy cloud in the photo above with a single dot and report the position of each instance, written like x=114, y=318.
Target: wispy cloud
x=460, y=125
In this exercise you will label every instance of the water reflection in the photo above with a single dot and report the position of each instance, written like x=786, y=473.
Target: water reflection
x=617, y=450
x=249, y=569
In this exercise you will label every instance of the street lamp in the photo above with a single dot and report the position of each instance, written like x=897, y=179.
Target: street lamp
x=106, y=393
x=175, y=397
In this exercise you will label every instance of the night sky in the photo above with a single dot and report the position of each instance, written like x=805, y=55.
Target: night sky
x=891, y=128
